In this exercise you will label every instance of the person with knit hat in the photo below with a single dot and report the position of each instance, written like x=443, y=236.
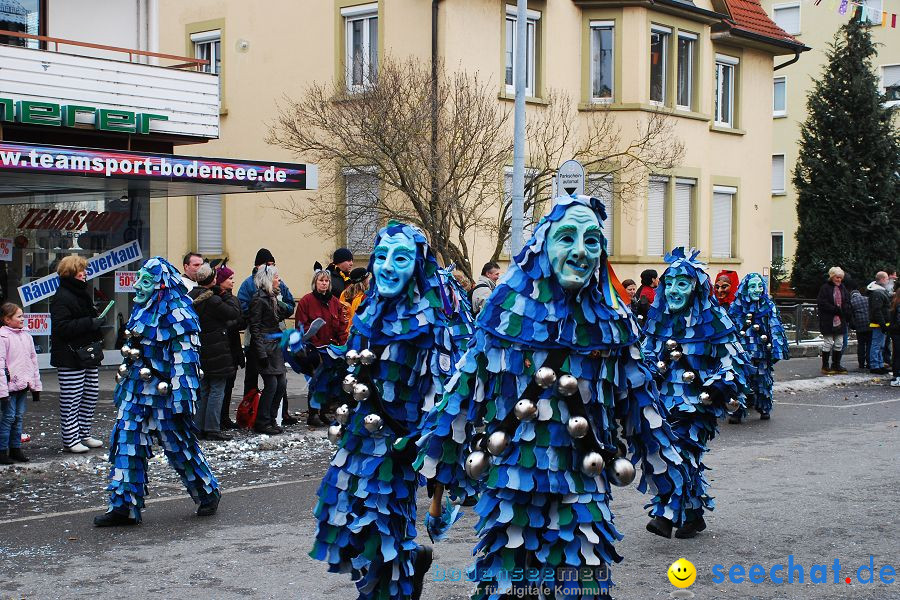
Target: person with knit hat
x=225, y=283
x=340, y=268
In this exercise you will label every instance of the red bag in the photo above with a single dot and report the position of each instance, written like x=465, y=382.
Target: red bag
x=246, y=412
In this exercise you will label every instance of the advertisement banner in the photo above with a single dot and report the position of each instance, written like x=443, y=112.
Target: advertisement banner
x=43, y=288
x=125, y=281
x=37, y=323
x=6, y=246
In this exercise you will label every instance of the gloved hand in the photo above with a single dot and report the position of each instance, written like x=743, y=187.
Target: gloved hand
x=97, y=322
x=438, y=527
x=263, y=362
x=35, y=396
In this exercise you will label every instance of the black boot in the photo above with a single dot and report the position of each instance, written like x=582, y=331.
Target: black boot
x=208, y=508
x=836, y=367
x=313, y=420
x=420, y=567
x=114, y=518
x=17, y=455
x=660, y=526
x=690, y=529
x=826, y=370
x=5, y=459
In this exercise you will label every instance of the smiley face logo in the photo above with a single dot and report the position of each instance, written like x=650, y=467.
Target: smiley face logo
x=682, y=573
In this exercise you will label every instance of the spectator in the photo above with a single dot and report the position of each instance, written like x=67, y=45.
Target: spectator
x=631, y=289
x=646, y=293
x=225, y=281
x=320, y=303
x=340, y=267
x=895, y=335
x=725, y=287
x=859, y=320
x=889, y=347
x=354, y=293
x=75, y=326
x=191, y=262
x=214, y=314
x=833, y=303
x=490, y=274
x=266, y=314
x=19, y=373
x=879, y=315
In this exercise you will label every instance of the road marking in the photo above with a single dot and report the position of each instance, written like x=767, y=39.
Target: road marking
x=838, y=406
x=81, y=511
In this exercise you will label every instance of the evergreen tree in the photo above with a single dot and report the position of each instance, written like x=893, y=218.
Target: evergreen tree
x=846, y=174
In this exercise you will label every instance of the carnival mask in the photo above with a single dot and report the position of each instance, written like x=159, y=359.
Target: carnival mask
x=722, y=287
x=395, y=261
x=678, y=292
x=144, y=286
x=574, y=244
x=755, y=288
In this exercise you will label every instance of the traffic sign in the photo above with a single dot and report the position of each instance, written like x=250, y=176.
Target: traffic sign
x=570, y=178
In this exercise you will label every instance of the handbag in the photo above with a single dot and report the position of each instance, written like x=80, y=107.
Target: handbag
x=89, y=356
x=246, y=412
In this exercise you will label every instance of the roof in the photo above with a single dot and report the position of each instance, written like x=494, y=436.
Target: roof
x=749, y=17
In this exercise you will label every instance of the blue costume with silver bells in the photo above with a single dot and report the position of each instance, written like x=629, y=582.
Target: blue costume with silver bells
x=694, y=348
x=156, y=389
x=531, y=418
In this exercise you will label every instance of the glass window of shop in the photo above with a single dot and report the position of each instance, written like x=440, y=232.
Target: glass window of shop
x=22, y=16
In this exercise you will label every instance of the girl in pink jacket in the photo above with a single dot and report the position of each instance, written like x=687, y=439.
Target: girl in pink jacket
x=18, y=374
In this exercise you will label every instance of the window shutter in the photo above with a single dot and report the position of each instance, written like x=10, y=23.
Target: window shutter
x=600, y=186
x=684, y=192
x=721, y=224
x=362, y=213
x=656, y=217
x=788, y=18
x=777, y=173
x=209, y=224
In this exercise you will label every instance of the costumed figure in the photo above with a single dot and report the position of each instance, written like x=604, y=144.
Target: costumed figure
x=157, y=386
x=700, y=367
x=400, y=355
x=762, y=336
x=530, y=419
x=725, y=287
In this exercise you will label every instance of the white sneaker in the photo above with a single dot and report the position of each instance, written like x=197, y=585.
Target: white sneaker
x=895, y=382
x=77, y=449
x=92, y=442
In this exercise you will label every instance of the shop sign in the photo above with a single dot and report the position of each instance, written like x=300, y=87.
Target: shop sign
x=37, y=323
x=72, y=220
x=45, y=287
x=125, y=281
x=30, y=112
x=6, y=248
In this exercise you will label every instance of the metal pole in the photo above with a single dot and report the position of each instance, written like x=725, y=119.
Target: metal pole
x=517, y=211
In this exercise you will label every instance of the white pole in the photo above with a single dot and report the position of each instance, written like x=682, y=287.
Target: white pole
x=517, y=210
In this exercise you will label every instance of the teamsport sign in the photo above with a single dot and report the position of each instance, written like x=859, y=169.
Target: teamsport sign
x=65, y=160
x=43, y=288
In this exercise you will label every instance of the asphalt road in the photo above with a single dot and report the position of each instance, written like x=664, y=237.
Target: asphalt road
x=820, y=481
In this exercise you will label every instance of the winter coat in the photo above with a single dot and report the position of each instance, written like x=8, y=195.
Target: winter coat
x=894, y=314
x=333, y=313
x=215, y=313
x=879, y=305
x=73, y=315
x=235, y=326
x=266, y=313
x=481, y=292
x=859, y=311
x=339, y=280
x=828, y=310
x=18, y=362
x=248, y=289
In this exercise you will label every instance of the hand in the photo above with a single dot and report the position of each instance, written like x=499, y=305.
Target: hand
x=35, y=396
x=97, y=322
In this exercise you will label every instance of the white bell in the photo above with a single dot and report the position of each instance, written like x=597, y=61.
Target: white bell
x=119, y=378
x=620, y=472
x=567, y=385
x=127, y=333
x=661, y=366
x=592, y=464
x=705, y=398
x=352, y=357
x=743, y=333
x=675, y=355
x=348, y=383
x=134, y=353
x=769, y=346
x=750, y=315
x=342, y=413
x=335, y=432
x=756, y=327
x=125, y=350
x=764, y=338
x=732, y=405
x=360, y=392
x=545, y=377
x=123, y=368
x=525, y=410
x=366, y=357
x=477, y=464
x=497, y=443
x=578, y=427
x=373, y=423
x=163, y=387
x=671, y=344
x=145, y=374
x=688, y=376
x=200, y=373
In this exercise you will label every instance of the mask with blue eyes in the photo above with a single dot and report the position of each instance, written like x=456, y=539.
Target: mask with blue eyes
x=678, y=292
x=755, y=288
x=394, y=264
x=574, y=245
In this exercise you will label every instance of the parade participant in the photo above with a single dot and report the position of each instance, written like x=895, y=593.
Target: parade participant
x=157, y=386
x=552, y=371
x=762, y=336
x=694, y=347
x=725, y=287
x=400, y=356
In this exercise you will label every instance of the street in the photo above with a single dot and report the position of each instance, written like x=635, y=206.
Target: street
x=819, y=482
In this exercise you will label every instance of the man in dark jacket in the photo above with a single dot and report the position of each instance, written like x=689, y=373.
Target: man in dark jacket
x=340, y=267
x=879, y=309
x=859, y=320
x=833, y=303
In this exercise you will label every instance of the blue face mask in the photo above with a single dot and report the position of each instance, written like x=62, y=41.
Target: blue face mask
x=755, y=288
x=143, y=287
x=395, y=261
x=678, y=292
x=574, y=245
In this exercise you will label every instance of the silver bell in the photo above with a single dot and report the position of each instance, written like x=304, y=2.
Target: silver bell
x=352, y=357
x=119, y=378
x=200, y=373
x=577, y=427
x=661, y=366
x=567, y=385
x=525, y=410
x=127, y=333
x=750, y=315
x=145, y=374
x=497, y=443
x=688, y=376
x=366, y=357
x=545, y=377
x=373, y=423
x=675, y=355
x=348, y=383
x=163, y=387
x=134, y=334
x=360, y=392
x=705, y=398
x=342, y=414
x=764, y=338
x=620, y=472
x=769, y=346
x=671, y=344
x=743, y=333
x=748, y=322
x=732, y=405
x=123, y=368
x=134, y=353
x=756, y=327
x=477, y=464
x=126, y=351
x=592, y=464
x=335, y=432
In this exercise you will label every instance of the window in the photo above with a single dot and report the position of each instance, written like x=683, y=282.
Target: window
x=777, y=246
x=602, y=60
x=207, y=46
x=787, y=16
x=682, y=210
x=779, y=98
x=722, y=220
x=361, y=39
x=778, y=175
x=361, y=193
x=531, y=28
x=685, y=76
x=22, y=16
x=725, y=68
x=659, y=58
x=209, y=224
x=601, y=186
x=890, y=83
x=871, y=11
x=656, y=216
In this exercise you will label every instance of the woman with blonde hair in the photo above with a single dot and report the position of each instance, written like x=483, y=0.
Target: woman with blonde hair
x=833, y=303
x=354, y=293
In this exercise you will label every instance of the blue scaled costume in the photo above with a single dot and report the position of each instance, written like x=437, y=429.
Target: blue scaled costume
x=157, y=386
x=762, y=336
x=700, y=367
x=400, y=353
x=532, y=415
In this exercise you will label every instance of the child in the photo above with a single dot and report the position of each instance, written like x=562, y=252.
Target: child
x=19, y=368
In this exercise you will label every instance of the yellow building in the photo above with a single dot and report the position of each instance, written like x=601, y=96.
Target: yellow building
x=708, y=64
x=815, y=26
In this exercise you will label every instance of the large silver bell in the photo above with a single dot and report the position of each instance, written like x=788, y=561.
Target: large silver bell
x=688, y=376
x=119, y=378
x=750, y=315
x=525, y=410
x=621, y=472
x=545, y=377
x=577, y=427
x=477, y=464
x=163, y=387
x=348, y=383
x=756, y=327
x=373, y=423
x=732, y=405
x=706, y=398
x=200, y=373
x=125, y=350
x=497, y=443
x=592, y=464
x=335, y=432
x=145, y=373
x=123, y=368
x=764, y=338
x=675, y=355
x=127, y=333
x=352, y=357
x=661, y=366
x=342, y=413
x=671, y=344
x=743, y=333
x=567, y=385
x=769, y=346
x=366, y=357
x=360, y=392
x=134, y=353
